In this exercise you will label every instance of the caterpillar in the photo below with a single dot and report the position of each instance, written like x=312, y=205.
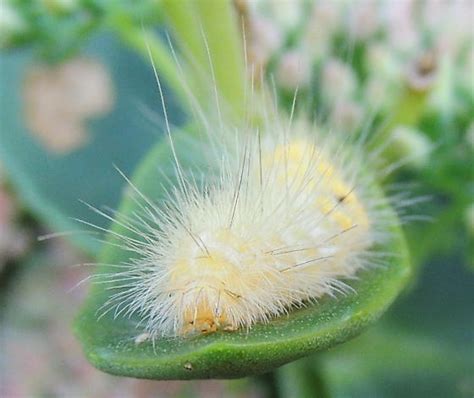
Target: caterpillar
x=287, y=212
x=289, y=216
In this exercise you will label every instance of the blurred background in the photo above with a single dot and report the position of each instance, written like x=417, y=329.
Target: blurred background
x=77, y=96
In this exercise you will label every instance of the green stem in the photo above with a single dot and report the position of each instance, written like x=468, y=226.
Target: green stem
x=302, y=379
x=148, y=44
x=269, y=383
x=183, y=19
x=208, y=34
x=226, y=51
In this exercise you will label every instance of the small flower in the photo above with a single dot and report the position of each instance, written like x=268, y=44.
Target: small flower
x=287, y=14
x=293, y=70
x=346, y=116
x=411, y=145
x=364, y=20
x=264, y=39
x=323, y=23
x=338, y=81
x=382, y=62
x=59, y=99
x=265, y=35
x=378, y=93
x=422, y=72
x=402, y=33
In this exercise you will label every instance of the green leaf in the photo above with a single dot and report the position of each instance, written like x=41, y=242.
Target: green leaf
x=51, y=184
x=109, y=343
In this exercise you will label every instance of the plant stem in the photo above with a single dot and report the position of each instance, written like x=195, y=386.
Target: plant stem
x=301, y=379
x=226, y=51
x=269, y=382
x=208, y=35
x=148, y=44
x=183, y=19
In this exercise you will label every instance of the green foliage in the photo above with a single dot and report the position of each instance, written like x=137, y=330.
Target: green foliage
x=57, y=29
x=51, y=184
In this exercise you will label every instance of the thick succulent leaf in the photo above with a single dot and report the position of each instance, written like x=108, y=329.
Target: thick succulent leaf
x=51, y=184
x=109, y=342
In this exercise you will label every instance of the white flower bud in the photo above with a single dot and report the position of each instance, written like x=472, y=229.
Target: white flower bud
x=287, y=14
x=402, y=34
x=265, y=35
x=325, y=19
x=381, y=61
x=363, y=19
x=58, y=99
x=422, y=73
x=338, y=81
x=438, y=18
x=293, y=70
x=411, y=145
x=378, y=93
x=264, y=39
x=346, y=116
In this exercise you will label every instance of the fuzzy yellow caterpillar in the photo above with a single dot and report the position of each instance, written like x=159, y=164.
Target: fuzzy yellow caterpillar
x=288, y=219
x=284, y=215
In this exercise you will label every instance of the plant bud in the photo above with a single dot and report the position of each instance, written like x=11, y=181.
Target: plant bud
x=412, y=145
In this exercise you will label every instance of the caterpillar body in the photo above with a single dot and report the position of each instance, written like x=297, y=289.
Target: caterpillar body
x=289, y=218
